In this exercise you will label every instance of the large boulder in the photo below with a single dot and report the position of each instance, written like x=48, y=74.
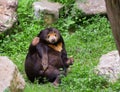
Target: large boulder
x=109, y=66
x=10, y=78
x=8, y=15
x=90, y=7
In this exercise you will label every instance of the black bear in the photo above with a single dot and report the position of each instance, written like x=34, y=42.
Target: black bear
x=46, y=56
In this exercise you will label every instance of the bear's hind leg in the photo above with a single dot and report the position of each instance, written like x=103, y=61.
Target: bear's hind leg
x=53, y=75
x=57, y=81
x=31, y=78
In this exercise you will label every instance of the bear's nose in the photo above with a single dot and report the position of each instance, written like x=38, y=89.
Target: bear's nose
x=53, y=40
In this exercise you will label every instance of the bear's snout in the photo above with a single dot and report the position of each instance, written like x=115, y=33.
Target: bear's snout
x=53, y=39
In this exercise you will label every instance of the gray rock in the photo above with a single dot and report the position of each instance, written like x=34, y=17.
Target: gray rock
x=8, y=14
x=47, y=8
x=109, y=66
x=10, y=78
x=90, y=7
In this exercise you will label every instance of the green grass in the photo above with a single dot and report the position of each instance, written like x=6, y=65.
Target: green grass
x=91, y=39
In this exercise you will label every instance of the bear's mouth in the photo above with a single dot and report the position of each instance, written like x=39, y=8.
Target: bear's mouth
x=52, y=41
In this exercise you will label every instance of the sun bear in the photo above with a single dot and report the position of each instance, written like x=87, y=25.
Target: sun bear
x=46, y=56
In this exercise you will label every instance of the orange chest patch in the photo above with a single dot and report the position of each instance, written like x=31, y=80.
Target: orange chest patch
x=57, y=47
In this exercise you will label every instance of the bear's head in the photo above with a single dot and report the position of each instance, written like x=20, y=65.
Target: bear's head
x=50, y=35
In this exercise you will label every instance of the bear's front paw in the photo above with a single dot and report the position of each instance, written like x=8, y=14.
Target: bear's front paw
x=35, y=41
x=70, y=61
x=56, y=84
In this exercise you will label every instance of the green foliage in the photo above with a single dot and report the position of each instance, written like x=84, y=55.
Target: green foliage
x=7, y=90
x=86, y=40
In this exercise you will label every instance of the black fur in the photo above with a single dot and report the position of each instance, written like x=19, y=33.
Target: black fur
x=42, y=52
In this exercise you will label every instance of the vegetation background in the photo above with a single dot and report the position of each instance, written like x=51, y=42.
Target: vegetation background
x=86, y=39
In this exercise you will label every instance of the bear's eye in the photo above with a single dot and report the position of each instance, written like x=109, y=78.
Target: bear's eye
x=48, y=36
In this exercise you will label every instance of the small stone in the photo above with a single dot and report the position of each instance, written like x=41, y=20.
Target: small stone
x=50, y=10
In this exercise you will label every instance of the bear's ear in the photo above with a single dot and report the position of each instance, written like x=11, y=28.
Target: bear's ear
x=40, y=33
